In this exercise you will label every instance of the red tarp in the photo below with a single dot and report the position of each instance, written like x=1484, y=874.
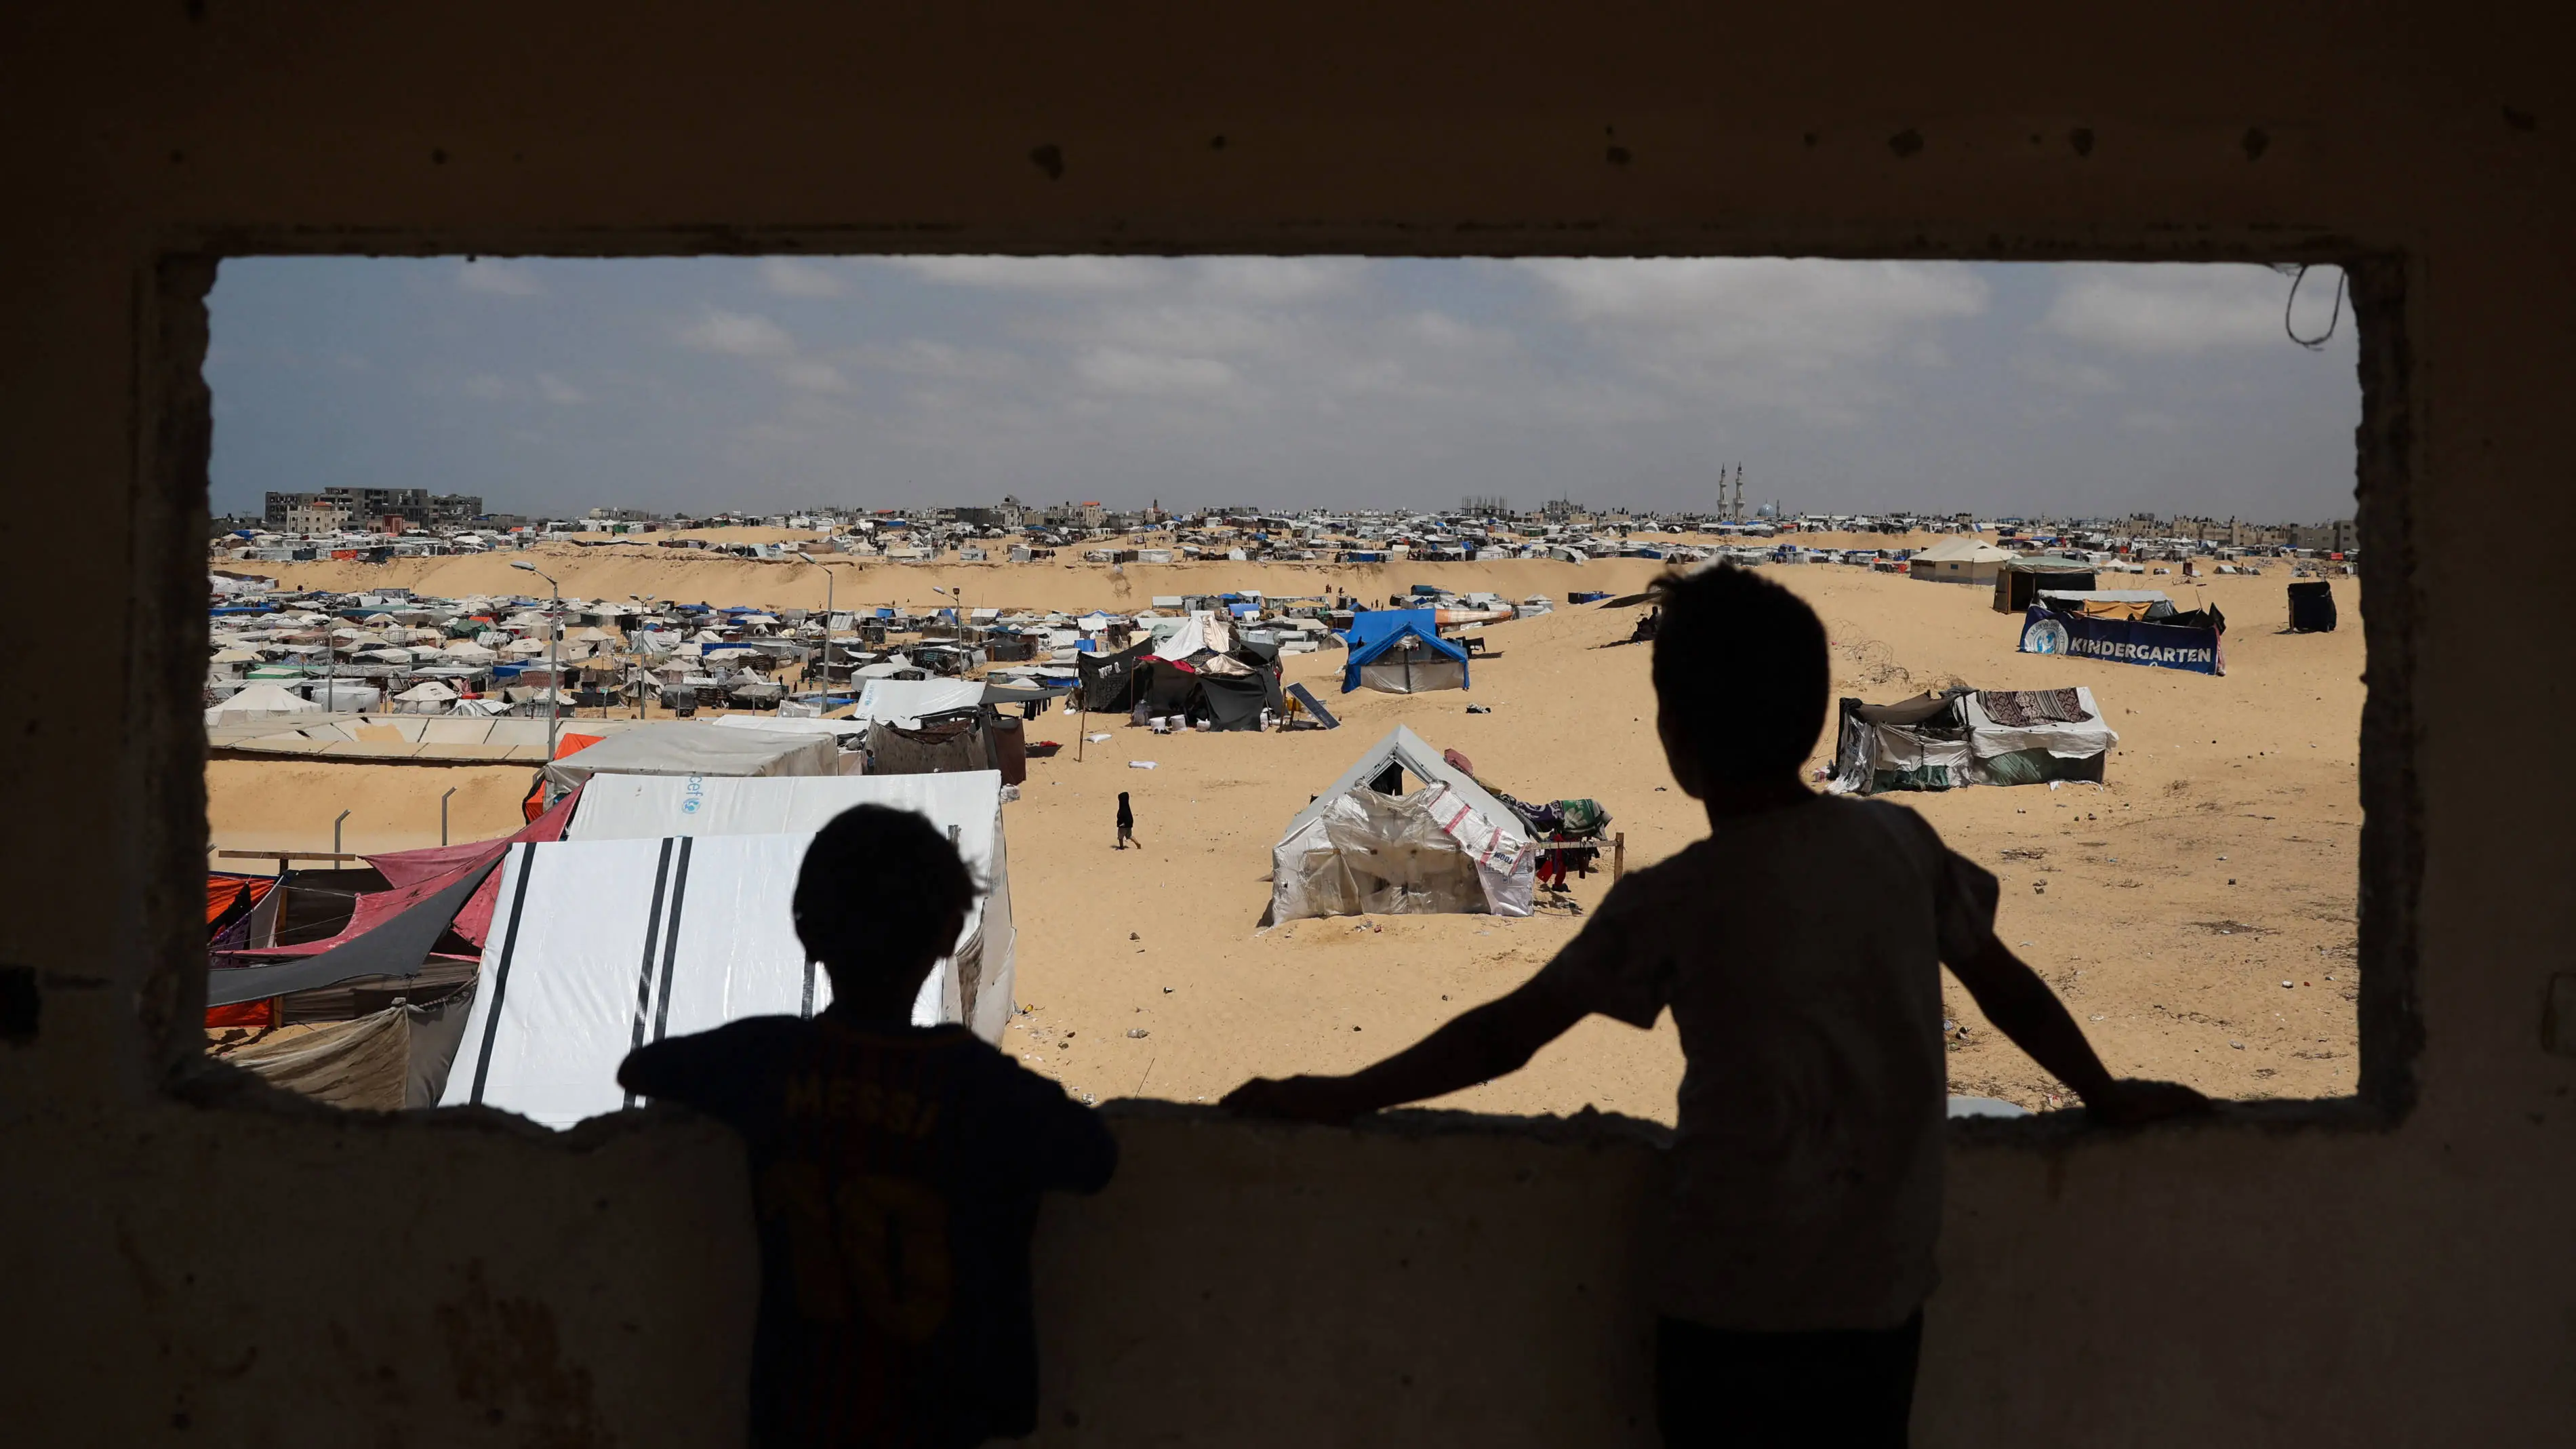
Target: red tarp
x=439, y=864
x=223, y=892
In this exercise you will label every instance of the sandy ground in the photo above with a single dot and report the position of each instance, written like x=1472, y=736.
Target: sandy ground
x=2218, y=862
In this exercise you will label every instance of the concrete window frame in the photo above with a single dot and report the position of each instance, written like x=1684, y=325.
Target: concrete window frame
x=173, y=447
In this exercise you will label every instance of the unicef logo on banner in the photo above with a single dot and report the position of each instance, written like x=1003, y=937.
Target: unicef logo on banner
x=2045, y=637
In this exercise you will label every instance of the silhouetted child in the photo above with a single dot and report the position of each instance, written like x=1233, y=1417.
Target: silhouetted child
x=1799, y=947
x=896, y=1168
x=1126, y=822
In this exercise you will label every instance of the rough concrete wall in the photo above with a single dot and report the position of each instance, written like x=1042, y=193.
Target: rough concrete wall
x=204, y=1268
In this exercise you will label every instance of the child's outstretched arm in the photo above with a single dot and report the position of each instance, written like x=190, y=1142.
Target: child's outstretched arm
x=1476, y=1046
x=2023, y=1008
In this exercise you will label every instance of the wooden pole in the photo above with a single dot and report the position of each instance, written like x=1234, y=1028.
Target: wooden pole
x=1082, y=727
x=1618, y=856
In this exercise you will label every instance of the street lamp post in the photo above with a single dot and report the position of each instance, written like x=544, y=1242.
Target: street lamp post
x=554, y=655
x=643, y=677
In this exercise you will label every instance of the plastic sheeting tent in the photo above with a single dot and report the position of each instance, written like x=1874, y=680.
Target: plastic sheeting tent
x=1970, y=737
x=680, y=748
x=974, y=985
x=603, y=945
x=260, y=701
x=1400, y=651
x=1447, y=847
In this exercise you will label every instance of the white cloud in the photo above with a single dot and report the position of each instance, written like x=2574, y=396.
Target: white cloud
x=1276, y=279
x=555, y=390
x=1151, y=375
x=788, y=277
x=1039, y=274
x=738, y=334
x=812, y=376
x=2181, y=309
x=1782, y=312
x=489, y=386
x=500, y=279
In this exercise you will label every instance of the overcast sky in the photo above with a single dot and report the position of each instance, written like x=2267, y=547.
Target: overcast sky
x=707, y=383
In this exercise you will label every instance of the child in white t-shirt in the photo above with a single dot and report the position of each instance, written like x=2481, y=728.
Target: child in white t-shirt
x=1799, y=949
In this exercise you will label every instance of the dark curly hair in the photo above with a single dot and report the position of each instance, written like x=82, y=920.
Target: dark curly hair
x=1741, y=661
x=877, y=891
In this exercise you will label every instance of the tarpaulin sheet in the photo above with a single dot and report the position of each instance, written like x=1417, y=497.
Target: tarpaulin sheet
x=684, y=748
x=407, y=867
x=394, y=945
x=965, y=806
x=912, y=699
x=604, y=945
x=2201, y=650
x=226, y=892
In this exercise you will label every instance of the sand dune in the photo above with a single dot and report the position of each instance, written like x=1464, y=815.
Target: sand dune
x=2218, y=862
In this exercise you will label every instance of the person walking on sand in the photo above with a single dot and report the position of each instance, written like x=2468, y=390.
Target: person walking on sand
x=1799, y=948
x=1126, y=823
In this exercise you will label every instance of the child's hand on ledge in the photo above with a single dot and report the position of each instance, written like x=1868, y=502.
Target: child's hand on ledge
x=2135, y=1101
x=1298, y=1099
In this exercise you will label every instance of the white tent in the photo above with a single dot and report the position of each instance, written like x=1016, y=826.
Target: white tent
x=910, y=699
x=1448, y=846
x=1961, y=560
x=601, y=945
x=665, y=910
x=260, y=701
x=428, y=691
x=689, y=748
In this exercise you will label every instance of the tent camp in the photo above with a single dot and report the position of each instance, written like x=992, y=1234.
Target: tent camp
x=1962, y=560
x=666, y=911
x=1364, y=846
x=1400, y=651
x=1970, y=737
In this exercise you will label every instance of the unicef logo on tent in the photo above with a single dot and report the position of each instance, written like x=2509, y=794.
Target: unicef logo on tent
x=689, y=806
x=2045, y=637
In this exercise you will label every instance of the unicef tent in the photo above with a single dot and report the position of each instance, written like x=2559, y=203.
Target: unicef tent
x=1400, y=651
x=665, y=910
x=1366, y=846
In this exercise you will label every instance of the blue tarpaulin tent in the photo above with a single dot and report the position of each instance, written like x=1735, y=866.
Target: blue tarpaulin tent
x=1382, y=659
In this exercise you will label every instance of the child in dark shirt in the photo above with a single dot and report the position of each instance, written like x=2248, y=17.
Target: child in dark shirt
x=1126, y=822
x=895, y=1168
x=1799, y=949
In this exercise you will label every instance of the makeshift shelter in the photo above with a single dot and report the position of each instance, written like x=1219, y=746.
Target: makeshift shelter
x=2018, y=581
x=679, y=748
x=659, y=917
x=1364, y=846
x=1109, y=680
x=1400, y=651
x=1962, y=560
x=2150, y=605
x=260, y=701
x=1970, y=737
x=2312, y=607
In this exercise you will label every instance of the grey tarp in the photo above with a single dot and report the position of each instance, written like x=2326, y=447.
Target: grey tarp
x=677, y=748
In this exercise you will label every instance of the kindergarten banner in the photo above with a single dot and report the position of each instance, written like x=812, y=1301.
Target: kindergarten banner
x=2201, y=650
